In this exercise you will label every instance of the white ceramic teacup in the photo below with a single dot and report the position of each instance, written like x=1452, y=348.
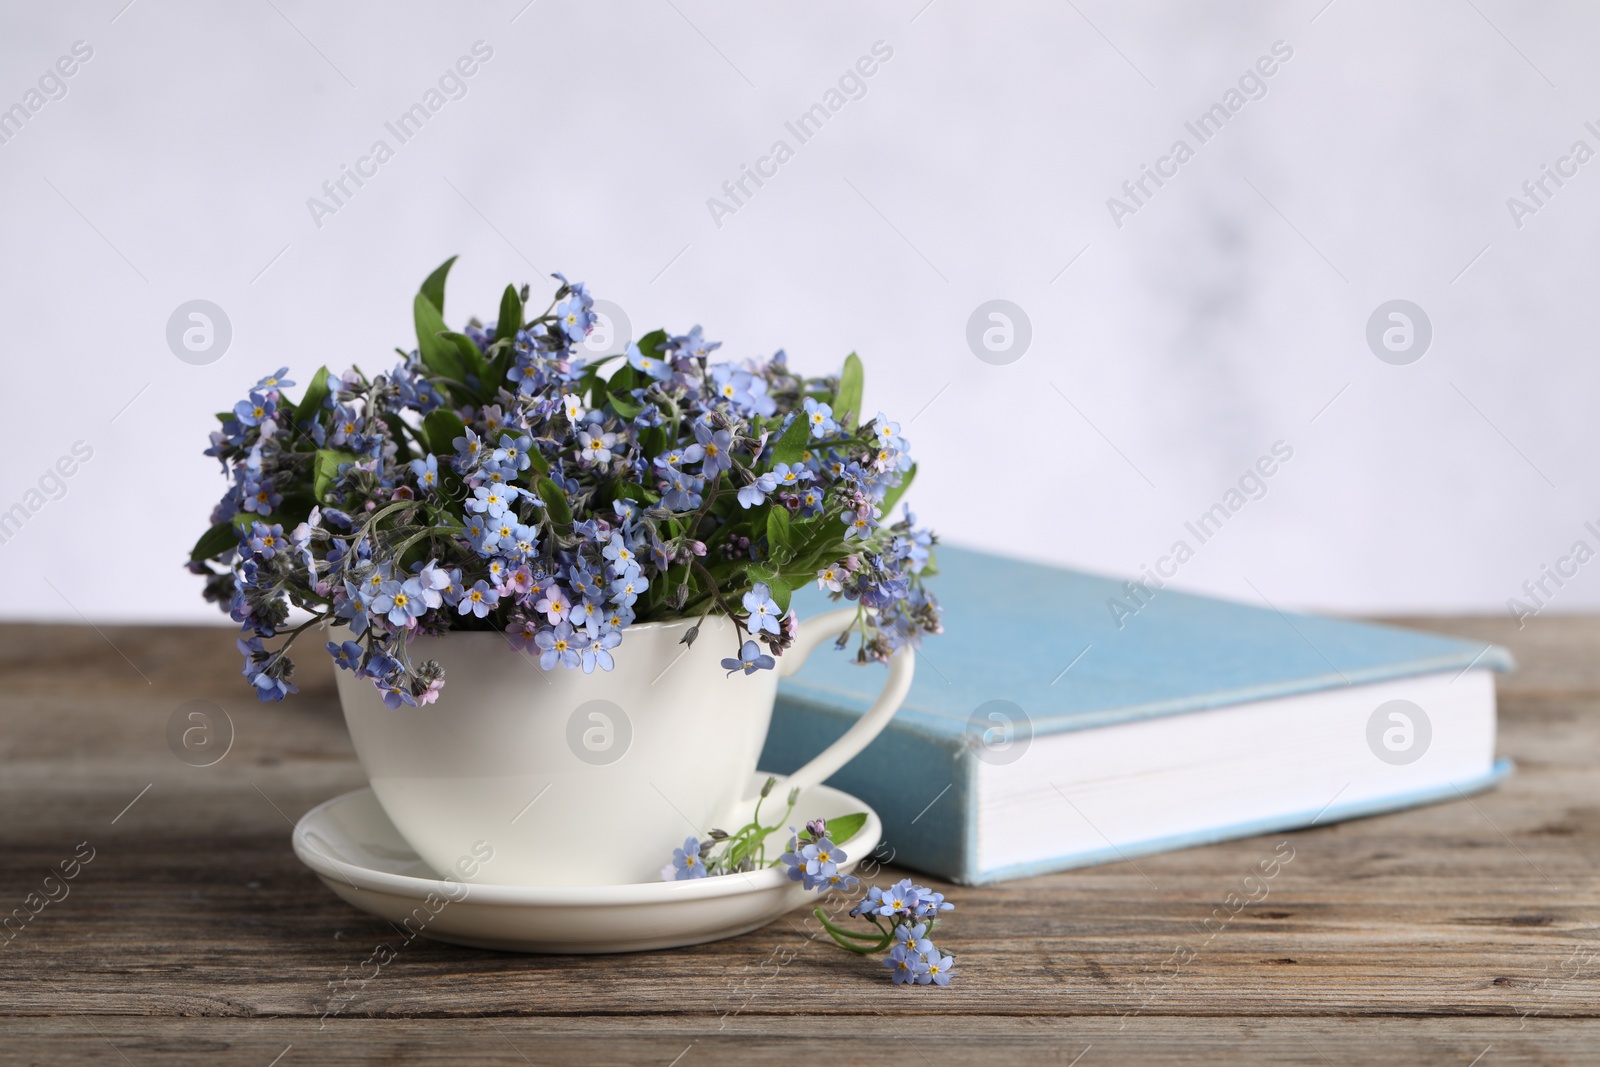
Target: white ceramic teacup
x=585, y=779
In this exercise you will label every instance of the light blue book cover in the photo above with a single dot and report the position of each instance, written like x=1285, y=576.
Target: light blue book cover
x=1074, y=651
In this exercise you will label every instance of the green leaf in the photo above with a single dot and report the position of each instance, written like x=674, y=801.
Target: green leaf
x=295, y=508
x=471, y=358
x=652, y=343
x=781, y=592
x=635, y=491
x=317, y=392
x=441, y=427
x=847, y=401
x=779, y=534
x=433, y=287
x=625, y=407
x=416, y=554
x=215, y=541
x=844, y=827
x=326, y=469
x=438, y=355
x=510, y=312
x=792, y=445
x=892, y=497
x=555, y=501
x=653, y=441
x=622, y=384
x=810, y=560
x=502, y=357
x=624, y=381
x=224, y=416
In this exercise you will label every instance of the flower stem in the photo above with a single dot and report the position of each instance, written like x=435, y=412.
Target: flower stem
x=839, y=934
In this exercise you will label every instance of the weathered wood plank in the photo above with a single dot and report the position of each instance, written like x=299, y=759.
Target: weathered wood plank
x=1405, y=938
x=865, y=1040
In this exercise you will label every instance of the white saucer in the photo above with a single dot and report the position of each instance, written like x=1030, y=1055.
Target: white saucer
x=356, y=851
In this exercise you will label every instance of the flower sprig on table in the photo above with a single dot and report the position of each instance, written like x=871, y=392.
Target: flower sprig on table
x=901, y=916
x=745, y=849
x=732, y=853
x=495, y=478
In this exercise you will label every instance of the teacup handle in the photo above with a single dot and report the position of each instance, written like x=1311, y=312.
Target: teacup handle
x=813, y=633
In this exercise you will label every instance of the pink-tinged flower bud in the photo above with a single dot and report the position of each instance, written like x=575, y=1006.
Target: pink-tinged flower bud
x=697, y=547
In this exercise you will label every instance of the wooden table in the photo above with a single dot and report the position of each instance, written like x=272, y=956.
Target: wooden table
x=1462, y=933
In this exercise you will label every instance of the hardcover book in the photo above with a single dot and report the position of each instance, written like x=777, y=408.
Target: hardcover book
x=1065, y=719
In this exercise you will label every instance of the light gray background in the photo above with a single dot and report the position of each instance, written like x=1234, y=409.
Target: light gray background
x=1227, y=314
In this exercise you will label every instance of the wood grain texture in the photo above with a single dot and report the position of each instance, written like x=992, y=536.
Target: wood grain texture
x=194, y=936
